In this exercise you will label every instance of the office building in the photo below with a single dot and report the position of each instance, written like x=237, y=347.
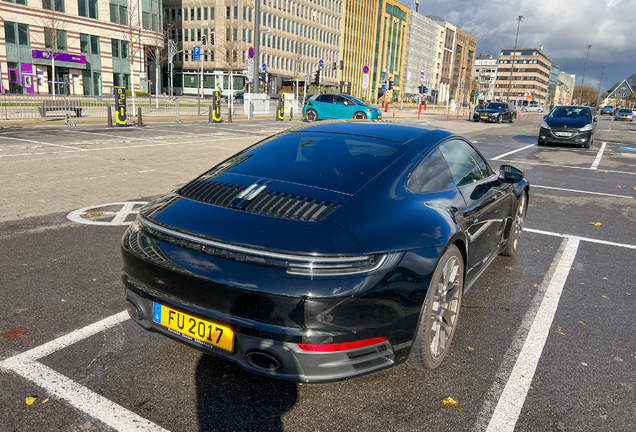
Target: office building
x=294, y=37
x=375, y=36
x=95, y=45
x=530, y=76
x=486, y=75
x=422, y=63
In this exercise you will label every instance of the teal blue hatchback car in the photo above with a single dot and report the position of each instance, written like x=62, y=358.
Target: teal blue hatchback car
x=338, y=106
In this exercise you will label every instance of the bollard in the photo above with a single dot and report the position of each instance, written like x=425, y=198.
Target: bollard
x=291, y=114
x=393, y=112
x=418, y=115
x=424, y=106
x=110, y=118
x=210, y=115
x=458, y=115
x=140, y=122
x=448, y=117
x=532, y=116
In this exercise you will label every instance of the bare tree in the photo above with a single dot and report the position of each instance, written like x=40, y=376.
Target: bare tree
x=54, y=35
x=298, y=57
x=590, y=94
x=156, y=52
x=231, y=52
x=131, y=26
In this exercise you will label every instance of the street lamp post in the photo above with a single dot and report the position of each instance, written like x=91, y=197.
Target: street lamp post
x=512, y=65
x=584, y=70
x=598, y=99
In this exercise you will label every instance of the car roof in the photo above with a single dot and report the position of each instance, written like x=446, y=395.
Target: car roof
x=397, y=132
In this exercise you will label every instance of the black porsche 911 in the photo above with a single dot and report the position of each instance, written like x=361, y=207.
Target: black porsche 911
x=325, y=252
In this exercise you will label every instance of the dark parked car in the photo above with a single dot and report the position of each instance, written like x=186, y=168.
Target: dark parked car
x=496, y=112
x=568, y=125
x=325, y=252
x=607, y=110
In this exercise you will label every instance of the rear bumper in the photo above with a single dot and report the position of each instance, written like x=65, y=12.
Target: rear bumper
x=289, y=361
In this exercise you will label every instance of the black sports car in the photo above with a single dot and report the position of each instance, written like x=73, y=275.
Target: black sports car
x=568, y=125
x=325, y=252
x=496, y=112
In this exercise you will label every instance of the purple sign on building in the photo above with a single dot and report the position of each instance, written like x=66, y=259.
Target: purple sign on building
x=46, y=55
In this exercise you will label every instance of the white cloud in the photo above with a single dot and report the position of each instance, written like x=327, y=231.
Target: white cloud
x=564, y=27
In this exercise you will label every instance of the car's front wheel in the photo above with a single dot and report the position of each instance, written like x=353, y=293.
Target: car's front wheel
x=311, y=115
x=500, y=118
x=513, y=118
x=512, y=245
x=359, y=116
x=440, y=312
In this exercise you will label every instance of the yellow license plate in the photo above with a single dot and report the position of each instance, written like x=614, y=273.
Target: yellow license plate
x=193, y=328
x=484, y=117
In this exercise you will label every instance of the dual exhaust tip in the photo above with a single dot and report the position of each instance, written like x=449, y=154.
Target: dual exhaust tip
x=258, y=359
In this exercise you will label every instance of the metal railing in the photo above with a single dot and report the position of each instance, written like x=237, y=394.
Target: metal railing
x=38, y=107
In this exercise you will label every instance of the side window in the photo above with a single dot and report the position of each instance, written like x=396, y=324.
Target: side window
x=327, y=98
x=338, y=100
x=431, y=175
x=464, y=162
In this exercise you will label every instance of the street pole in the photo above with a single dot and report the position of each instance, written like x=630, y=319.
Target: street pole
x=257, y=44
x=514, y=53
x=598, y=99
x=584, y=70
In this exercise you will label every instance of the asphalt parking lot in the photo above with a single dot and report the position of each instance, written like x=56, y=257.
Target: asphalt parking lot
x=546, y=340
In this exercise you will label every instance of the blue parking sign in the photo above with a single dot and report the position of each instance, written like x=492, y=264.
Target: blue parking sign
x=197, y=53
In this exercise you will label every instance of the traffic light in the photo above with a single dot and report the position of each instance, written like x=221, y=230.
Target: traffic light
x=212, y=39
x=316, y=78
x=334, y=65
x=341, y=65
x=262, y=76
x=204, y=40
x=389, y=85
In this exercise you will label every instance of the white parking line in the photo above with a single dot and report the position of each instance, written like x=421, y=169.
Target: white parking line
x=583, y=192
x=587, y=239
x=520, y=161
x=514, y=395
x=514, y=151
x=43, y=143
x=599, y=156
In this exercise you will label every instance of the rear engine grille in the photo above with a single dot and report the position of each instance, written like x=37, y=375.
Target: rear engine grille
x=268, y=203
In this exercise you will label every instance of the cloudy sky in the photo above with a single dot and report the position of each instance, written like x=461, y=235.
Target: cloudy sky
x=564, y=27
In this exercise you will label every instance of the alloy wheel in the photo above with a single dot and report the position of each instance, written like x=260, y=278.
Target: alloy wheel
x=359, y=116
x=519, y=221
x=311, y=115
x=445, y=308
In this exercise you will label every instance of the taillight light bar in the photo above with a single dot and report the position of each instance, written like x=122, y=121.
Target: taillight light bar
x=342, y=346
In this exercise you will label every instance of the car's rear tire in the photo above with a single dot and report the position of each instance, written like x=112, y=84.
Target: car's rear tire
x=360, y=116
x=513, y=118
x=440, y=312
x=311, y=115
x=512, y=245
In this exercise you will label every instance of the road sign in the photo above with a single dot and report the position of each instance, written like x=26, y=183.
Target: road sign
x=142, y=74
x=421, y=80
x=250, y=69
x=383, y=88
x=423, y=69
x=425, y=90
x=264, y=67
x=197, y=53
x=321, y=63
x=476, y=94
x=365, y=70
x=250, y=53
x=365, y=81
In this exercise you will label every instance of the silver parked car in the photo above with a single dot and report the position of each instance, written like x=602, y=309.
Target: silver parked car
x=533, y=108
x=624, y=114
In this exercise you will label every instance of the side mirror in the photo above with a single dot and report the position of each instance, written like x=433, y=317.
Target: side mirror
x=545, y=117
x=510, y=174
x=346, y=103
x=595, y=118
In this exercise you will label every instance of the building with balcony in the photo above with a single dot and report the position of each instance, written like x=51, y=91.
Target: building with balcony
x=530, y=71
x=458, y=60
x=83, y=47
x=423, y=66
x=486, y=75
x=375, y=35
x=294, y=36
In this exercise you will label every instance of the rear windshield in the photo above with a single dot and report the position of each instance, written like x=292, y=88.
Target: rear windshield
x=627, y=111
x=338, y=162
x=571, y=112
x=494, y=105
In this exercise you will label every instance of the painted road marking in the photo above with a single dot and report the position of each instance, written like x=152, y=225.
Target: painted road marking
x=599, y=156
x=44, y=143
x=587, y=239
x=631, y=149
x=514, y=395
x=520, y=161
x=583, y=192
x=514, y=151
x=119, y=217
